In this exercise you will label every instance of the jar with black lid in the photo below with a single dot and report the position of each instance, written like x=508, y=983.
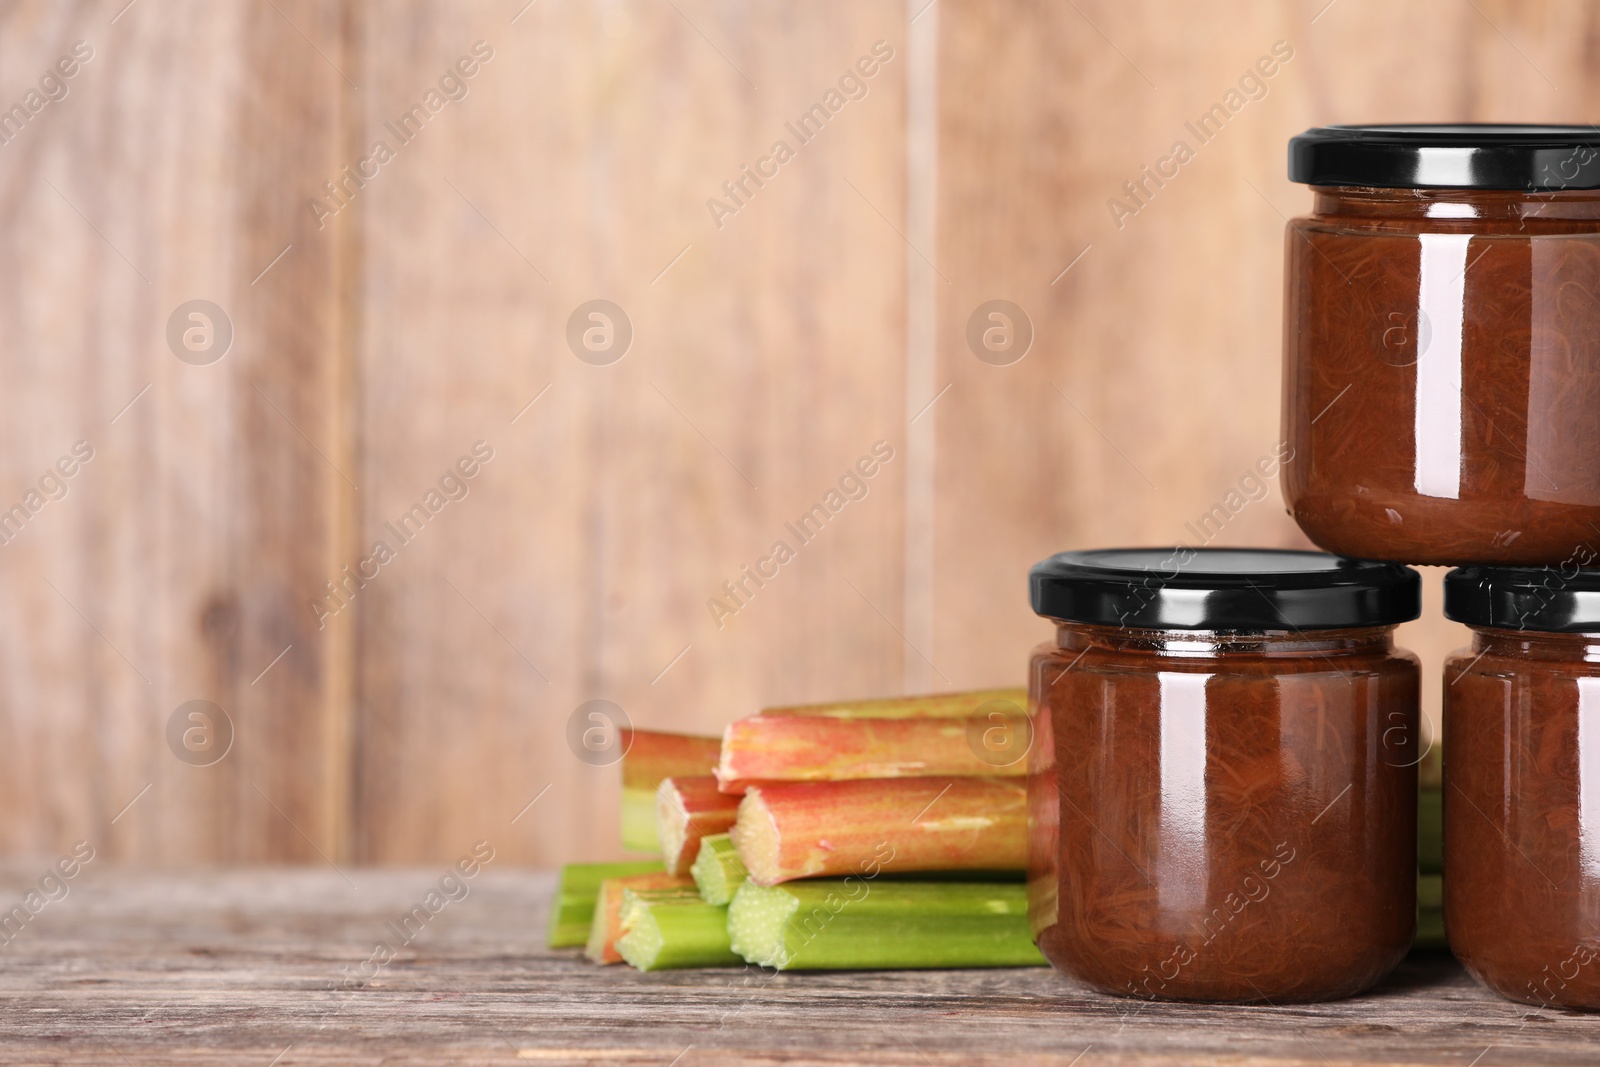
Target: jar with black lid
x=1522, y=782
x=1223, y=785
x=1442, y=343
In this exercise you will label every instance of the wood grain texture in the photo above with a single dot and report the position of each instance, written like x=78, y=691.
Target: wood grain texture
x=769, y=354
x=170, y=570
x=765, y=361
x=246, y=966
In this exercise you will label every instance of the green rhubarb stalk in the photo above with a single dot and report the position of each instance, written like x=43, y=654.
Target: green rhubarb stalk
x=635, y=898
x=1430, y=892
x=1430, y=831
x=855, y=924
x=606, y=926
x=1430, y=930
x=1430, y=912
x=662, y=932
x=1430, y=771
x=718, y=871
x=572, y=909
x=639, y=820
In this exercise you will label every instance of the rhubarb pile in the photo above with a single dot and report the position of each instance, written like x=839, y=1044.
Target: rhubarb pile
x=869, y=834
x=789, y=842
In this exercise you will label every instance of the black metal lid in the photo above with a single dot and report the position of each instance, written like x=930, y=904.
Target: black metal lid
x=1468, y=156
x=1223, y=589
x=1551, y=599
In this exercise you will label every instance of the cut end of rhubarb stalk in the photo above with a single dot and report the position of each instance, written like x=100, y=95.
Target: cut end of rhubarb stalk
x=640, y=945
x=672, y=826
x=757, y=919
x=607, y=924
x=718, y=871
x=755, y=835
x=665, y=930
x=687, y=809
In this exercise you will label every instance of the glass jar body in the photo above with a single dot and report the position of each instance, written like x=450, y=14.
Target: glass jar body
x=1442, y=375
x=1223, y=817
x=1522, y=814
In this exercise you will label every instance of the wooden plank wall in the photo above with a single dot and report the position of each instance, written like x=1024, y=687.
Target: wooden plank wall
x=765, y=361
x=768, y=354
x=172, y=568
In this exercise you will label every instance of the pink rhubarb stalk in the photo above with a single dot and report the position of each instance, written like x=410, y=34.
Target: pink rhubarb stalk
x=821, y=748
x=789, y=830
x=606, y=926
x=649, y=756
x=932, y=705
x=688, y=809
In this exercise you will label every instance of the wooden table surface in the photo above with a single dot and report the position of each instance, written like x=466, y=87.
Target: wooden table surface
x=244, y=967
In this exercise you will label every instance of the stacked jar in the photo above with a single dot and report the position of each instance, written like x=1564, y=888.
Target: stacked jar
x=1223, y=785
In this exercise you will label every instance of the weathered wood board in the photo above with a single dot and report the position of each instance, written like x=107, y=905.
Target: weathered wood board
x=249, y=966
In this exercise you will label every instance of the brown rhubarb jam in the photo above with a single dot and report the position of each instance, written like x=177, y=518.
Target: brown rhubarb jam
x=1441, y=388
x=1223, y=782
x=1522, y=783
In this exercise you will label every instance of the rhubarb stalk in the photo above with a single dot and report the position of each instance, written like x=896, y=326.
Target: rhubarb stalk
x=572, y=909
x=718, y=871
x=606, y=925
x=649, y=757
x=933, y=705
x=856, y=923
x=809, y=829
x=1430, y=831
x=1430, y=912
x=822, y=748
x=661, y=932
x=688, y=809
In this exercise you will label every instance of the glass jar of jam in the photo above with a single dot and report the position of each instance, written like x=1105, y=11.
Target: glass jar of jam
x=1522, y=782
x=1441, y=388
x=1223, y=785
